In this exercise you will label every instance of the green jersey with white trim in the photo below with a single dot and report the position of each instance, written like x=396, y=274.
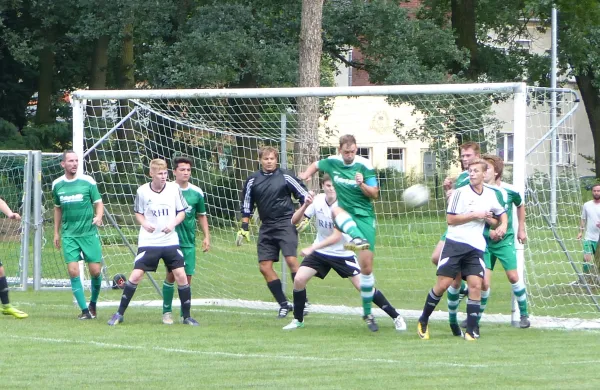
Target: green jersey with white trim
x=75, y=198
x=462, y=179
x=513, y=198
x=186, y=230
x=349, y=195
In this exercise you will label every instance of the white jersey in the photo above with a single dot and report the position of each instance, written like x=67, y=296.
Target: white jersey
x=324, y=221
x=591, y=214
x=466, y=200
x=159, y=209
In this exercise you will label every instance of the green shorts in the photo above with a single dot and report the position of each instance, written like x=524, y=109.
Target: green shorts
x=367, y=225
x=589, y=247
x=89, y=246
x=507, y=254
x=189, y=255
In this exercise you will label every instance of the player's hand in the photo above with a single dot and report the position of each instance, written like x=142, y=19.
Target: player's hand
x=57, y=241
x=308, y=199
x=359, y=179
x=241, y=236
x=448, y=184
x=481, y=214
x=579, y=235
x=148, y=227
x=522, y=236
x=206, y=244
x=303, y=176
x=168, y=229
x=97, y=221
x=302, y=225
x=306, y=251
x=14, y=216
x=494, y=236
x=501, y=231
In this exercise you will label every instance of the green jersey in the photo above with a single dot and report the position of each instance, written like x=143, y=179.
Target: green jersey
x=349, y=195
x=75, y=198
x=462, y=179
x=508, y=196
x=186, y=230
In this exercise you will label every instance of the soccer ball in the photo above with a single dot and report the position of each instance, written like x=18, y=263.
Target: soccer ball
x=416, y=196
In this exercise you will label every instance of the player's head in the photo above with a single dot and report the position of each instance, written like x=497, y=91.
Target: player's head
x=495, y=168
x=70, y=162
x=469, y=151
x=158, y=171
x=596, y=191
x=268, y=157
x=182, y=169
x=477, y=170
x=348, y=148
x=327, y=186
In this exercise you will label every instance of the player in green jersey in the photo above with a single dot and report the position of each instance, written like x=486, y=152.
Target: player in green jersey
x=195, y=215
x=78, y=211
x=7, y=308
x=502, y=247
x=356, y=186
x=589, y=231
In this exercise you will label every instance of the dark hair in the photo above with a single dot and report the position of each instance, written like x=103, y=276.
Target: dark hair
x=182, y=160
x=325, y=178
x=497, y=162
x=471, y=145
x=265, y=150
x=64, y=155
x=347, y=139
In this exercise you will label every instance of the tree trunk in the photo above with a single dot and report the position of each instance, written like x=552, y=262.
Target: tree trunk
x=591, y=100
x=463, y=23
x=98, y=73
x=306, y=149
x=44, y=112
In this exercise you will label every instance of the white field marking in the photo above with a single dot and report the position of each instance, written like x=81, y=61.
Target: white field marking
x=536, y=321
x=279, y=357
x=224, y=354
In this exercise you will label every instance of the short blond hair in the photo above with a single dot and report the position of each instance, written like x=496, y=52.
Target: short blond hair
x=158, y=164
x=479, y=161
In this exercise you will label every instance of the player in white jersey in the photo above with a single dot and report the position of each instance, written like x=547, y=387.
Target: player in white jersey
x=590, y=223
x=327, y=252
x=159, y=208
x=469, y=209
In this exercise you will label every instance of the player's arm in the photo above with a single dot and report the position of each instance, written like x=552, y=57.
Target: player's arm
x=297, y=187
x=202, y=221
x=299, y=214
x=141, y=219
x=368, y=187
x=247, y=207
x=7, y=211
x=99, y=213
x=581, y=227
x=180, y=205
x=311, y=170
x=57, y=222
x=455, y=214
x=521, y=232
x=333, y=238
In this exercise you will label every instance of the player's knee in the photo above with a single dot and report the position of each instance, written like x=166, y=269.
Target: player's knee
x=513, y=277
x=170, y=278
x=435, y=259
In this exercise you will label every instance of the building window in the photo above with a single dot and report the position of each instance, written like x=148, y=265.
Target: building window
x=428, y=163
x=364, y=152
x=505, y=147
x=326, y=151
x=566, y=149
x=395, y=159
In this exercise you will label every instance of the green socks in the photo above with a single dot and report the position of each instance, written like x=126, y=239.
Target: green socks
x=168, y=292
x=78, y=292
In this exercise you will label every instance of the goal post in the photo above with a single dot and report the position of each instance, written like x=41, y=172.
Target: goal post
x=410, y=133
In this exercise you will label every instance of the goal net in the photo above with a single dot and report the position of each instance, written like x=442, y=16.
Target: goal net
x=410, y=134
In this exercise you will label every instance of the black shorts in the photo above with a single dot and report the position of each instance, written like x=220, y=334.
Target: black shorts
x=148, y=257
x=458, y=257
x=346, y=267
x=274, y=238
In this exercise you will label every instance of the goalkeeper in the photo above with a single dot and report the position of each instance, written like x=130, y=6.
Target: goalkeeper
x=270, y=189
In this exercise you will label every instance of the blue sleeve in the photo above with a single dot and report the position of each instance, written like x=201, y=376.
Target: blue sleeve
x=372, y=182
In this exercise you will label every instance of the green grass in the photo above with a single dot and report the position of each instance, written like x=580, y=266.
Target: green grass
x=236, y=348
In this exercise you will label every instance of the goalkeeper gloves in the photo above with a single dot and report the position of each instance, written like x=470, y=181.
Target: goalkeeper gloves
x=302, y=225
x=242, y=234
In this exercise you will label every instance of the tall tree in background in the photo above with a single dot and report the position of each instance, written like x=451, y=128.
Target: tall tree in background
x=306, y=147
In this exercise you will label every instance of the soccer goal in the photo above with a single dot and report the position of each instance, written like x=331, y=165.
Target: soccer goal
x=411, y=135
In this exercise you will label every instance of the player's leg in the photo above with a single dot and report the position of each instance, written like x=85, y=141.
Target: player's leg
x=365, y=261
x=588, y=253
x=437, y=251
x=453, y=300
x=489, y=259
x=174, y=261
x=7, y=308
x=473, y=267
x=268, y=253
x=433, y=298
x=146, y=260
x=72, y=255
x=92, y=254
x=347, y=224
x=168, y=291
x=303, y=275
x=508, y=258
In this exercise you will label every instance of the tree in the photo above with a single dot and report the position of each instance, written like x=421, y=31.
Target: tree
x=306, y=147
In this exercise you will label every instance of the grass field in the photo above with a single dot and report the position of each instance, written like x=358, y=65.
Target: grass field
x=242, y=348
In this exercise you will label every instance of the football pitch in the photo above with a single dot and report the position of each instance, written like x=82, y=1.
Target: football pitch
x=244, y=348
